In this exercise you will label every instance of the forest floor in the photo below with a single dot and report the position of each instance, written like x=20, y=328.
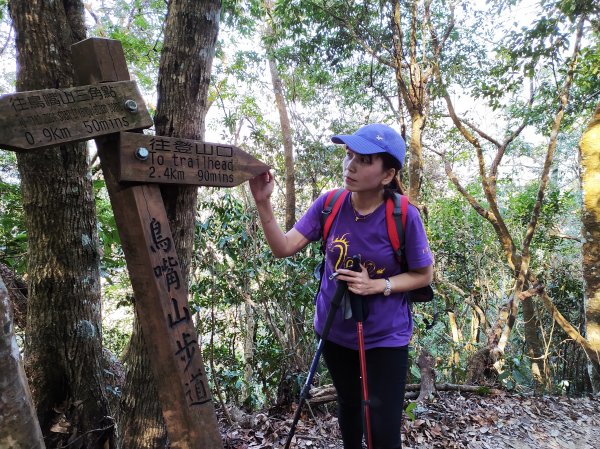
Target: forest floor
x=452, y=420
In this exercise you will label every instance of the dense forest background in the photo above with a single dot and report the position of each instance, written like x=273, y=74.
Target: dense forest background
x=493, y=99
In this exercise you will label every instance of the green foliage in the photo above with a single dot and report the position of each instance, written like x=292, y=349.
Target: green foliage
x=410, y=410
x=110, y=243
x=469, y=259
x=117, y=308
x=540, y=53
x=116, y=335
x=464, y=247
x=13, y=233
x=13, y=236
x=483, y=390
x=233, y=269
x=516, y=374
x=139, y=25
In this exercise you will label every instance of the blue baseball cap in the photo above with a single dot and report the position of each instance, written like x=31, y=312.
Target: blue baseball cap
x=375, y=138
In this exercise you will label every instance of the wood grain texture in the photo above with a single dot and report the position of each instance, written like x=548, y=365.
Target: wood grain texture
x=160, y=293
x=45, y=118
x=184, y=161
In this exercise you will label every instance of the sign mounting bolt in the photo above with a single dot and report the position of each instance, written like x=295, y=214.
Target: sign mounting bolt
x=131, y=105
x=142, y=153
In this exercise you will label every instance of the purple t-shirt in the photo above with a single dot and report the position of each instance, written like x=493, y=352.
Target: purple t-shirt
x=389, y=323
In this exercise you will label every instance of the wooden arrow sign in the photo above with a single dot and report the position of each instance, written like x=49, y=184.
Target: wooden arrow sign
x=170, y=160
x=51, y=117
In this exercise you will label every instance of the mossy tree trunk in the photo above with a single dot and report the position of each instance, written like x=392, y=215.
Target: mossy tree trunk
x=589, y=148
x=63, y=332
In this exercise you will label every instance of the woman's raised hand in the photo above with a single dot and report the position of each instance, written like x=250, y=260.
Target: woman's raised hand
x=261, y=186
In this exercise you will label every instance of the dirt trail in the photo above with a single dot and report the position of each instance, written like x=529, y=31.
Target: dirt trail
x=508, y=421
x=450, y=421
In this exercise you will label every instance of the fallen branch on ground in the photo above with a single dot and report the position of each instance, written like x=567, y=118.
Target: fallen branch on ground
x=326, y=393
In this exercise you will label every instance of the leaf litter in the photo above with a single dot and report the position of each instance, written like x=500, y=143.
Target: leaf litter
x=451, y=420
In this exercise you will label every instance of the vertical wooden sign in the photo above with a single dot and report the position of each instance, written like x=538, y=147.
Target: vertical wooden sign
x=160, y=294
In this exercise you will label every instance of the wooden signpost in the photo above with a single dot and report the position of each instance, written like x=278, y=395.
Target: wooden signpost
x=167, y=160
x=106, y=105
x=51, y=117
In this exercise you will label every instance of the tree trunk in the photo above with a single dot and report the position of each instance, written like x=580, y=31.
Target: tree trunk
x=535, y=348
x=183, y=81
x=288, y=149
x=141, y=424
x=426, y=364
x=293, y=323
x=412, y=83
x=248, y=325
x=457, y=339
x=415, y=167
x=184, y=76
x=589, y=149
x=16, y=405
x=286, y=129
x=63, y=345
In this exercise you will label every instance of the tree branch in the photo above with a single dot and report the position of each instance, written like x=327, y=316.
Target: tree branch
x=483, y=134
x=502, y=148
x=470, y=198
x=564, y=100
x=495, y=218
x=342, y=21
x=569, y=329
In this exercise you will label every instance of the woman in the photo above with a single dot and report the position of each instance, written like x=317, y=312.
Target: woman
x=374, y=157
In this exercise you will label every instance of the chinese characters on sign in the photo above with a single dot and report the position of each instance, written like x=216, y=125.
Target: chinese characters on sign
x=43, y=118
x=32, y=102
x=167, y=271
x=170, y=160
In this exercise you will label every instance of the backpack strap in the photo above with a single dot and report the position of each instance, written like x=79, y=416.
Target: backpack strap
x=331, y=207
x=396, y=209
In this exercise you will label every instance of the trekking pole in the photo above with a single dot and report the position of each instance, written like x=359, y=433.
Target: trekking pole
x=360, y=312
x=335, y=304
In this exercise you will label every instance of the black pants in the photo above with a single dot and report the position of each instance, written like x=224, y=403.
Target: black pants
x=386, y=376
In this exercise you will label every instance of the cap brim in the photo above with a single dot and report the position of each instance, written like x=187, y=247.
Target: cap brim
x=358, y=144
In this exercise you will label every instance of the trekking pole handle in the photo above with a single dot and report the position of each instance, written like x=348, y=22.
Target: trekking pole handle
x=360, y=308
x=356, y=262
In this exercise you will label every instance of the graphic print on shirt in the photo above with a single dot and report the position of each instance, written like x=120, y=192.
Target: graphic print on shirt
x=339, y=248
x=341, y=259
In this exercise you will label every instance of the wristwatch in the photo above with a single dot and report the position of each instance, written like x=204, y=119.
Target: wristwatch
x=388, y=287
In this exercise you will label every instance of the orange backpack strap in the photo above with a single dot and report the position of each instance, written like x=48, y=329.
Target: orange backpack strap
x=331, y=207
x=395, y=217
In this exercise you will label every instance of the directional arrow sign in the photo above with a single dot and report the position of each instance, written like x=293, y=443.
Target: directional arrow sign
x=170, y=160
x=51, y=117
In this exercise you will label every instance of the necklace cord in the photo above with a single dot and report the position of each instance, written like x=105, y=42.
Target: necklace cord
x=358, y=216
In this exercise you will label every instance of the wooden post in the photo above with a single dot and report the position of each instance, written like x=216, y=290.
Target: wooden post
x=160, y=294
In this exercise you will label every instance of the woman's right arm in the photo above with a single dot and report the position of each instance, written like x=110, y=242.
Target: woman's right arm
x=282, y=245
